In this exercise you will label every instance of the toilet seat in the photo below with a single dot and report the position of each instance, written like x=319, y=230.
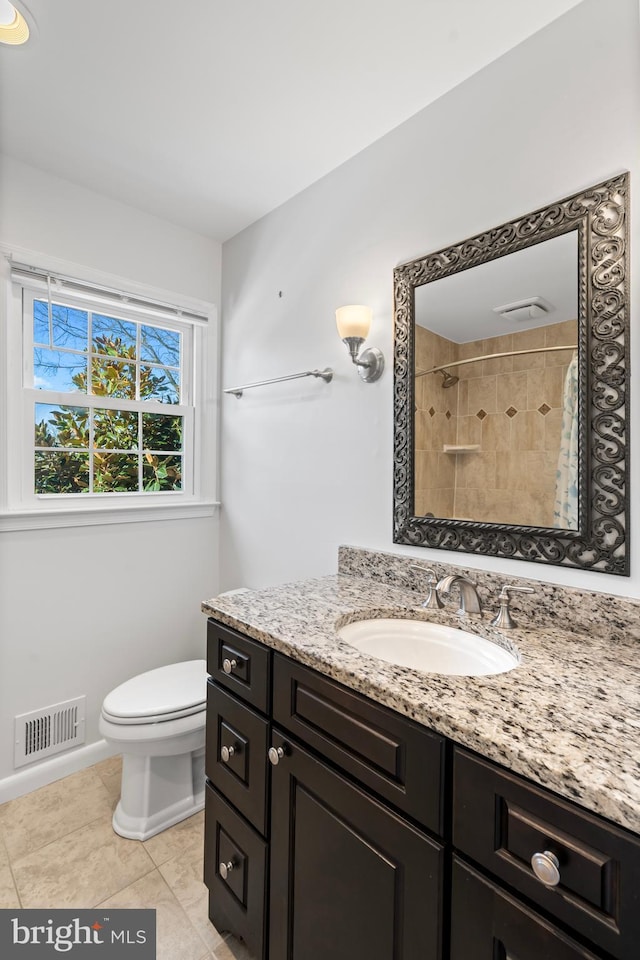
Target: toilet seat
x=160, y=695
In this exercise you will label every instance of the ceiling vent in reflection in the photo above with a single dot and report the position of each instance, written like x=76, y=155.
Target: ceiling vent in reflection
x=534, y=308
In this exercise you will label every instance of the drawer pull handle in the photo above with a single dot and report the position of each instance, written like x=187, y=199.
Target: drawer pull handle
x=224, y=869
x=229, y=665
x=275, y=755
x=546, y=867
x=226, y=753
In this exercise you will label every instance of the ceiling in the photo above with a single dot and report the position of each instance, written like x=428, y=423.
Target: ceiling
x=210, y=113
x=461, y=307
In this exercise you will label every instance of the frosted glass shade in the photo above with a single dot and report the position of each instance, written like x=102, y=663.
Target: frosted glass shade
x=14, y=29
x=353, y=321
x=7, y=13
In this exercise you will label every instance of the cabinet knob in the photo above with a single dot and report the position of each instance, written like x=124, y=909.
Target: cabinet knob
x=275, y=755
x=224, y=869
x=546, y=867
x=226, y=753
x=229, y=665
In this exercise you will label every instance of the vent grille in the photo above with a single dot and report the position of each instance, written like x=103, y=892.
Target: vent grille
x=50, y=730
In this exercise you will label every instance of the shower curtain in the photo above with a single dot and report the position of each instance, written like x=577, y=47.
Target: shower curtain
x=565, y=512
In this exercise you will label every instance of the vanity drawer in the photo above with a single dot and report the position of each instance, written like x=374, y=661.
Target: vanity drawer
x=236, y=757
x=500, y=820
x=397, y=758
x=237, y=901
x=487, y=923
x=247, y=664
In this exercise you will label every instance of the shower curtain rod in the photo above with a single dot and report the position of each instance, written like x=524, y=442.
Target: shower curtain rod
x=494, y=356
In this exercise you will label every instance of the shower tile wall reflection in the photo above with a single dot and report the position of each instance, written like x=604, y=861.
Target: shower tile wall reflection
x=436, y=418
x=510, y=408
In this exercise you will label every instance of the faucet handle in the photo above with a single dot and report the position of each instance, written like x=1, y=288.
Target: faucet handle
x=431, y=576
x=432, y=601
x=503, y=617
x=509, y=588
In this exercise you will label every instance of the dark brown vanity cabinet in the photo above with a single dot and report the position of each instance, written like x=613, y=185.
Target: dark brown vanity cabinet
x=349, y=876
x=314, y=845
x=487, y=923
x=237, y=791
x=337, y=828
x=574, y=867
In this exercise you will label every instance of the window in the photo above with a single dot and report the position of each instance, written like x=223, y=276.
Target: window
x=110, y=401
x=111, y=408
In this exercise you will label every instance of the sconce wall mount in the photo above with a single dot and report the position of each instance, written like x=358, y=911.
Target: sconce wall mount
x=353, y=322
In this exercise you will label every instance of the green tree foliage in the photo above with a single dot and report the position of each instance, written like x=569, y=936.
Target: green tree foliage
x=114, y=431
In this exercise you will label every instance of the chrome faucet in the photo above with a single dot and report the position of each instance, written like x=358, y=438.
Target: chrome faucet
x=469, y=599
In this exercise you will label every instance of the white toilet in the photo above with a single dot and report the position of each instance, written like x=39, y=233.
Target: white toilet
x=157, y=721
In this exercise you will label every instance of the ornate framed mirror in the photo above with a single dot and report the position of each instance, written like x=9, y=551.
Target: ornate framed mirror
x=511, y=388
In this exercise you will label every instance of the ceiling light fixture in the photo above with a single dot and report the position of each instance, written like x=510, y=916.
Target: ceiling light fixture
x=14, y=28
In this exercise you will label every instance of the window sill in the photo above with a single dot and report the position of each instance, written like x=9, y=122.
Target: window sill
x=98, y=516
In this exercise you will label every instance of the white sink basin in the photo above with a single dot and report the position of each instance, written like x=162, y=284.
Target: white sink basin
x=431, y=647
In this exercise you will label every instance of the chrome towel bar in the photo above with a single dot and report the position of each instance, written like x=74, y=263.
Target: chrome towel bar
x=326, y=375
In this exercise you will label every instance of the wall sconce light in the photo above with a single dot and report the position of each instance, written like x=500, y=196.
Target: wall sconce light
x=14, y=29
x=353, y=324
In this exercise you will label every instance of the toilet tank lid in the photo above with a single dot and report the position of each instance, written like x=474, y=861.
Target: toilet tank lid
x=169, y=689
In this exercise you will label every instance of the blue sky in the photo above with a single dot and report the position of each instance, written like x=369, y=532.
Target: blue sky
x=61, y=347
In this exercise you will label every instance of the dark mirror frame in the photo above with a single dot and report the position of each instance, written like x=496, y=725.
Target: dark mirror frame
x=600, y=216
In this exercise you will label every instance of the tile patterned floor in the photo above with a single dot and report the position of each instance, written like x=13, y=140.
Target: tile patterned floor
x=58, y=849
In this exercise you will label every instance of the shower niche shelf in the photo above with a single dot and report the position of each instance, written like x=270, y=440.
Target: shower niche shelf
x=460, y=447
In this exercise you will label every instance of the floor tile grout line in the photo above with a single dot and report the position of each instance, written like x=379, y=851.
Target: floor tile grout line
x=44, y=846
x=126, y=887
x=65, y=836
x=173, y=891
x=188, y=918
x=108, y=800
x=96, y=905
x=10, y=865
x=105, y=785
x=174, y=856
x=183, y=911
x=15, y=885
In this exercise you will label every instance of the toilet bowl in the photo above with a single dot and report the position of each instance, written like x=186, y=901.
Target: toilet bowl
x=157, y=721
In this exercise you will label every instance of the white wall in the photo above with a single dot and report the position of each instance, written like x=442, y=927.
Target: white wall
x=308, y=466
x=84, y=608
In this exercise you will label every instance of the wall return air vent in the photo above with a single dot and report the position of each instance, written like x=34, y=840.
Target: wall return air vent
x=41, y=733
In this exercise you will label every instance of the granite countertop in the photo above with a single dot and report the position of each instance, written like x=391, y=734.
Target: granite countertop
x=568, y=716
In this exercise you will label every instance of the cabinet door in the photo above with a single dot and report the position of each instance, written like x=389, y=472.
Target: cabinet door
x=488, y=924
x=349, y=878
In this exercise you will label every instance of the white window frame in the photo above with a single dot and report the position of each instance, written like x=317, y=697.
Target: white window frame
x=20, y=506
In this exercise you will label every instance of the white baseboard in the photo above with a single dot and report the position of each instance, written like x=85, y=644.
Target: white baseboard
x=40, y=774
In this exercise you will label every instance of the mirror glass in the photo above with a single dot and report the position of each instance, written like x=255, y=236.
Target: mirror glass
x=510, y=388
x=496, y=389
